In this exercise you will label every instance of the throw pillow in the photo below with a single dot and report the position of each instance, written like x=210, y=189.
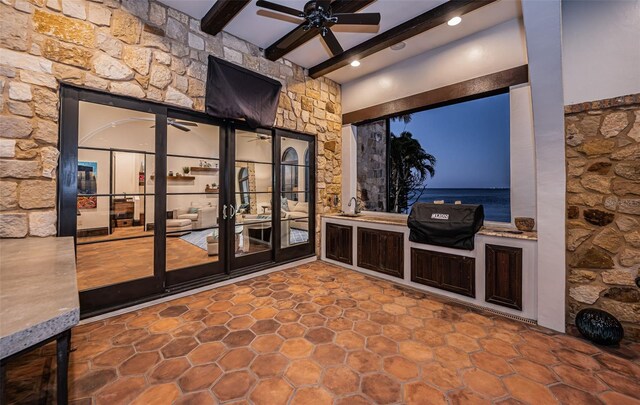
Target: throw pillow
x=292, y=205
x=193, y=210
x=284, y=204
x=301, y=207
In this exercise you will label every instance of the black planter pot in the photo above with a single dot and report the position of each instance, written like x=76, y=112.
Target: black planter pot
x=599, y=326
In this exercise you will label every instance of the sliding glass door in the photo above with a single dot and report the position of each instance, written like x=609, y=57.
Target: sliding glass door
x=108, y=153
x=252, y=189
x=297, y=201
x=193, y=196
x=160, y=199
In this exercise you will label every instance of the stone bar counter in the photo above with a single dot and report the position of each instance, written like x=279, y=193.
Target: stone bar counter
x=38, y=298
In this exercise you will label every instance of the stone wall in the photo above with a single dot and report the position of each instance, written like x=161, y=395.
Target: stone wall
x=372, y=165
x=138, y=48
x=603, y=200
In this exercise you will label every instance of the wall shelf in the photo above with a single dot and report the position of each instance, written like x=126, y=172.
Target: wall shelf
x=178, y=178
x=204, y=169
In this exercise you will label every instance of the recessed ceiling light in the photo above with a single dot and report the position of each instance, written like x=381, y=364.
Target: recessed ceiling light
x=355, y=63
x=398, y=46
x=454, y=21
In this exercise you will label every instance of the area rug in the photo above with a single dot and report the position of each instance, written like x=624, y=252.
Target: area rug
x=199, y=238
x=298, y=236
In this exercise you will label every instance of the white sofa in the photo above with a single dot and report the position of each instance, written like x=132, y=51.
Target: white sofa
x=298, y=214
x=200, y=217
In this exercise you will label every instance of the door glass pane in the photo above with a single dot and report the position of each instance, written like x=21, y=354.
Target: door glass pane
x=295, y=188
x=253, y=184
x=193, y=194
x=115, y=152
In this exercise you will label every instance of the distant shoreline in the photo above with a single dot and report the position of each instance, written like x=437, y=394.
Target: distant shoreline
x=464, y=188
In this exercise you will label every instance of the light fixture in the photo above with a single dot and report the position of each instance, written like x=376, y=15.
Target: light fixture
x=454, y=21
x=355, y=63
x=398, y=46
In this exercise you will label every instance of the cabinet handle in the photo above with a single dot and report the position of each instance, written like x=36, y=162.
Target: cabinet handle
x=224, y=211
x=232, y=211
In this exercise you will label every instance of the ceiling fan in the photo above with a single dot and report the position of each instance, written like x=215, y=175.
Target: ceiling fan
x=318, y=16
x=181, y=125
x=258, y=137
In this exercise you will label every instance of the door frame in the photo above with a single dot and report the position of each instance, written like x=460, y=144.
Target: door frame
x=162, y=283
x=121, y=294
x=205, y=270
x=240, y=264
x=309, y=248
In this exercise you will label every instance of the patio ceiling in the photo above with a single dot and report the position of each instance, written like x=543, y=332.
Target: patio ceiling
x=263, y=28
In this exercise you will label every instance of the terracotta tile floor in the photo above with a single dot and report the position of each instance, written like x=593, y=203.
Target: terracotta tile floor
x=319, y=334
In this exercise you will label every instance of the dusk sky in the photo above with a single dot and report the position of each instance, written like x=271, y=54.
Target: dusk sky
x=469, y=140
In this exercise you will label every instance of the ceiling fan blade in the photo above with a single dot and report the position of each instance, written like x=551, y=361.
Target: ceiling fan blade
x=279, y=8
x=332, y=42
x=358, y=18
x=187, y=123
x=294, y=36
x=180, y=127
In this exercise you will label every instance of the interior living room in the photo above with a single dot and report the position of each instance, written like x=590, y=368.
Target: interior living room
x=320, y=202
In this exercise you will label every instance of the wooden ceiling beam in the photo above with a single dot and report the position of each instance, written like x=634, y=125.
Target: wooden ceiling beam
x=276, y=50
x=417, y=25
x=221, y=14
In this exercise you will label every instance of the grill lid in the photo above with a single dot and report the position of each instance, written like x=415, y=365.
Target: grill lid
x=445, y=225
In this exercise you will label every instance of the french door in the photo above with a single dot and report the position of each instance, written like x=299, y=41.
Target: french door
x=160, y=199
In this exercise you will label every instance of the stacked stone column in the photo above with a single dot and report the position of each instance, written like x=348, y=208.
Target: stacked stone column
x=603, y=209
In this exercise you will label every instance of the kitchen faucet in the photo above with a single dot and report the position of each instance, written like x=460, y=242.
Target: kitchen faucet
x=355, y=210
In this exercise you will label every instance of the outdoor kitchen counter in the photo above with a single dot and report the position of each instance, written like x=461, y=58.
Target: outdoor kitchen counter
x=38, y=292
x=401, y=220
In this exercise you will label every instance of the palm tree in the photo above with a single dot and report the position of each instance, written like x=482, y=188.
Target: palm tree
x=411, y=166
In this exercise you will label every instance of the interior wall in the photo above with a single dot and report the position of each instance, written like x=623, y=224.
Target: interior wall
x=489, y=51
x=96, y=217
x=601, y=51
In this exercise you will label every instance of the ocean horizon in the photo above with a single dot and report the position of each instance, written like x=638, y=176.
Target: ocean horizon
x=496, y=201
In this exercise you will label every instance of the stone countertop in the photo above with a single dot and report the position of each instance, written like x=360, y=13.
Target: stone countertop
x=401, y=220
x=38, y=291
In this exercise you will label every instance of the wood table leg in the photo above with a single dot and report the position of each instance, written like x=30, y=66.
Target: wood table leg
x=62, y=364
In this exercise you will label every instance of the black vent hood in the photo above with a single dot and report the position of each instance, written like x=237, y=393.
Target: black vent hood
x=235, y=92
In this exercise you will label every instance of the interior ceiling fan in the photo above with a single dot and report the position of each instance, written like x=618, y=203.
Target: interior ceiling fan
x=318, y=16
x=257, y=137
x=181, y=125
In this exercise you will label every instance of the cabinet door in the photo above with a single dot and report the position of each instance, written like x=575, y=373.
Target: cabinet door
x=339, y=243
x=503, y=278
x=445, y=271
x=392, y=254
x=381, y=251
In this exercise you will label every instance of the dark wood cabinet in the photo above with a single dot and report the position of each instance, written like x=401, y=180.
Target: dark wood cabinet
x=339, y=243
x=445, y=271
x=503, y=276
x=381, y=251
